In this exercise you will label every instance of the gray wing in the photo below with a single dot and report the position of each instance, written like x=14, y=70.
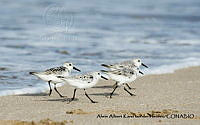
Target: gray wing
x=57, y=70
x=87, y=77
x=121, y=65
x=126, y=64
x=124, y=72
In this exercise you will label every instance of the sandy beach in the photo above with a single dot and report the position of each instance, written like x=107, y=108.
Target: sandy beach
x=160, y=95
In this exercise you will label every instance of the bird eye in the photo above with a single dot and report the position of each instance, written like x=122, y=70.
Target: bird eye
x=70, y=64
x=138, y=60
x=98, y=73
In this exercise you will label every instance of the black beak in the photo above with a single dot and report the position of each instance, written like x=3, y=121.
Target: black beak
x=104, y=78
x=60, y=77
x=141, y=72
x=145, y=65
x=76, y=69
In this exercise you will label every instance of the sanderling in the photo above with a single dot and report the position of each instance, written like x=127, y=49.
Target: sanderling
x=123, y=77
x=130, y=64
x=134, y=63
x=50, y=75
x=83, y=81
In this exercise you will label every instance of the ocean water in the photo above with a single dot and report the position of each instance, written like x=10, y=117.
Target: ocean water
x=36, y=35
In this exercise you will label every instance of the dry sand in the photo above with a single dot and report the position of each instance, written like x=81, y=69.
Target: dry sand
x=177, y=93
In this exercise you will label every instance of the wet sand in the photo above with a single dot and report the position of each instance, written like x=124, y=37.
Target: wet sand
x=156, y=95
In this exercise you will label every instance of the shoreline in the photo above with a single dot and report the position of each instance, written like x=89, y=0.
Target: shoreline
x=176, y=92
x=43, y=87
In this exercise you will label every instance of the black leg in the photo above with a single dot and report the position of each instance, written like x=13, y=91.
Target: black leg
x=57, y=91
x=113, y=90
x=129, y=86
x=72, y=99
x=89, y=97
x=128, y=92
x=74, y=94
x=50, y=88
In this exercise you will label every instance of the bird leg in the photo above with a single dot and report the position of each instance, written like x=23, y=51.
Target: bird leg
x=129, y=86
x=57, y=91
x=49, y=82
x=89, y=97
x=72, y=99
x=128, y=92
x=113, y=90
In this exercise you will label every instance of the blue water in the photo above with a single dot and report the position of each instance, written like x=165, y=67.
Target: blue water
x=36, y=35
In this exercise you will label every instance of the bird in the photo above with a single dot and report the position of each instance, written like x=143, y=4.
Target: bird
x=122, y=77
x=134, y=63
x=83, y=81
x=130, y=64
x=50, y=75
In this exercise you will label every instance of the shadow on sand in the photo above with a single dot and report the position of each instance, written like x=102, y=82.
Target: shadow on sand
x=35, y=94
x=106, y=94
x=103, y=87
x=61, y=100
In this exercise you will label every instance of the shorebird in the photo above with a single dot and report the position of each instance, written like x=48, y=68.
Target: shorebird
x=122, y=77
x=130, y=64
x=83, y=81
x=50, y=75
x=134, y=63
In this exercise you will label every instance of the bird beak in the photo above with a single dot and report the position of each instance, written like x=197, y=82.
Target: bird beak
x=141, y=72
x=76, y=69
x=104, y=78
x=60, y=77
x=145, y=65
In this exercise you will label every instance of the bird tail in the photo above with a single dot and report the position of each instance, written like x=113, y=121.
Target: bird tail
x=32, y=73
x=114, y=86
x=104, y=71
x=60, y=77
x=104, y=65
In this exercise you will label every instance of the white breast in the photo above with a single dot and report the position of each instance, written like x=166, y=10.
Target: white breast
x=53, y=78
x=122, y=79
x=81, y=84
